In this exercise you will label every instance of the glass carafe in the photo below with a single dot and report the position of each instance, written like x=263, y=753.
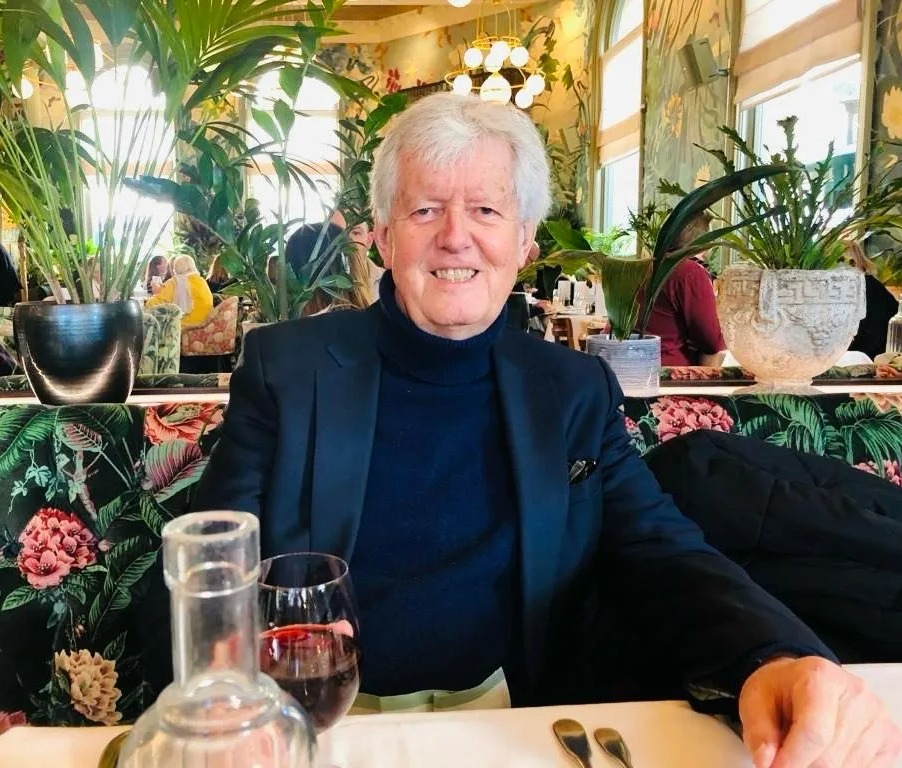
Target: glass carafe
x=894, y=332
x=219, y=710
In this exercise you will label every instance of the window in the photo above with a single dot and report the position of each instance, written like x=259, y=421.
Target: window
x=130, y=127
x=621, y=194
x=827, y=108
x=620, y=119
x=627, y=16
x=783, y=41
x=312, y=143
x=826, y=102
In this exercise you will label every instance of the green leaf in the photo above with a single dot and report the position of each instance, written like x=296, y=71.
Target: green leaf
x=151, y=514
x=566, y=236
x=82, y=51
x=809, y=421
x=290, y=80
x=18, y=597
x=285, y=115
x=126, y=562
x=761, y=425
x=115, y=17
x=20, y=431
x=114, y=649
x=621, y=282
x=111, y=511
x=265, y=121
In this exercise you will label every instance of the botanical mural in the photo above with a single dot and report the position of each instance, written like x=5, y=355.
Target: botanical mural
x=677, y=117
x=887, y=105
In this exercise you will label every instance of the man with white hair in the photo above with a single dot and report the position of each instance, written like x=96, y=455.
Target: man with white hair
x=481, y=482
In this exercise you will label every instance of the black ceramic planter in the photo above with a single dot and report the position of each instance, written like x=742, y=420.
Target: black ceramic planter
x=79, y=353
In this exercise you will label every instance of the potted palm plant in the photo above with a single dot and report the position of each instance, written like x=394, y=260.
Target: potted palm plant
x=632, y=284
x=195, y=54
x=790, y=311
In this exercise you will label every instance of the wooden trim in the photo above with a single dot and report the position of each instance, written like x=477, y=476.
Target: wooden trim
x=838, y=44
x=622, y=44
x=619, y=130
x=800, y=35
x=620, y=139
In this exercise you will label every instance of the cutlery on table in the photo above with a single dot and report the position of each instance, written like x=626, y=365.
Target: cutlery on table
x=614, y=746
x=110, y=756
x=573, y=739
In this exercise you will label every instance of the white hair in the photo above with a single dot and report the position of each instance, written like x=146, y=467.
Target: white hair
x=443, y=129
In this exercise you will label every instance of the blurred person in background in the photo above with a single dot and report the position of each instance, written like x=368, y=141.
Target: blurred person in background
x=187, y=289
x=881, y=305
x=685, y=312
x=156, y=273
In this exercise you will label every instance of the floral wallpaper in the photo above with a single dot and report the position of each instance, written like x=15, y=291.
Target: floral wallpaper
x=676, y=117
x=887, y=105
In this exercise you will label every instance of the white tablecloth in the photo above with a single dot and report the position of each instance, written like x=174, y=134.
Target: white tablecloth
x=660, y=735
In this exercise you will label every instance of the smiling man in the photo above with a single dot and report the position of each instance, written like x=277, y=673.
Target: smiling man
x=481, y=483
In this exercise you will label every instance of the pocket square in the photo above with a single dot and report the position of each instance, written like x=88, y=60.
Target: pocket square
x=579, y=470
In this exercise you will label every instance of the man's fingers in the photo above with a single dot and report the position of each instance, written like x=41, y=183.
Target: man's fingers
x=761, y=723
x=878, y=745
x=814, y=714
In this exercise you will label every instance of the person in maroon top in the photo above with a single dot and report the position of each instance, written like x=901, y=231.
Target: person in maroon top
x=685, y=314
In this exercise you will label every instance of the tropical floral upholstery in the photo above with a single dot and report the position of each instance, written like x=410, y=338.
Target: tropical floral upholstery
x=162, y=339
x=218, y=335
x=864, y=430
x=88, y=491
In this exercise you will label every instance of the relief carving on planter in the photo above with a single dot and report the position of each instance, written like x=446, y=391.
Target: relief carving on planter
x=789, y=325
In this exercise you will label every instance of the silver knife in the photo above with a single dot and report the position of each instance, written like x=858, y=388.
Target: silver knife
x=573, y=739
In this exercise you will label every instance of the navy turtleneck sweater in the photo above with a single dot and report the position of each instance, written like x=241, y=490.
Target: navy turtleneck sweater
x=435, y=562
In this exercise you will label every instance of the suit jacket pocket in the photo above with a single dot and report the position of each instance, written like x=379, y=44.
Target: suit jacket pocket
x=585, y=489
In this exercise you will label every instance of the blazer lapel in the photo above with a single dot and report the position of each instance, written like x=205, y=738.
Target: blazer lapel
x=346, y=403
x=539, y=461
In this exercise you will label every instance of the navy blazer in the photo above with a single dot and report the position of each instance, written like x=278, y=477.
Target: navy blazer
x=295, y=450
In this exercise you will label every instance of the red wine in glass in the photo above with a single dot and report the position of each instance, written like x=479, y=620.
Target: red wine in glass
x=317, y=665
x=310, y=638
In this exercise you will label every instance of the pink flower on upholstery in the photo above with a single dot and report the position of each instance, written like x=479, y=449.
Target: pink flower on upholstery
x=679, y=415
x=181, y=421
x=53, y=544
x=891, y=470
x=10, y=720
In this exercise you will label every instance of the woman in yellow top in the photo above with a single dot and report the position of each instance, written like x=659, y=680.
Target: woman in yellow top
x=187, y=289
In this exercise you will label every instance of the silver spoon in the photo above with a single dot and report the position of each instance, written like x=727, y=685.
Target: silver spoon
x=614, y=746
x=573, y=739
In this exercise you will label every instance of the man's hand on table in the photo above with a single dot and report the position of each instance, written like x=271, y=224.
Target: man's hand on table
x=811, y=713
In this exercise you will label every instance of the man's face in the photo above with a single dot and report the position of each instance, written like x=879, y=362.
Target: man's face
x=454, y=241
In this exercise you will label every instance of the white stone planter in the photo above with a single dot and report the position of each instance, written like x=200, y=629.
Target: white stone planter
x=636, y=362
x=788, y=325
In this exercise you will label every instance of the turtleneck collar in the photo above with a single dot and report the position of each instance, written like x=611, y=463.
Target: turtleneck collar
x=426, y=357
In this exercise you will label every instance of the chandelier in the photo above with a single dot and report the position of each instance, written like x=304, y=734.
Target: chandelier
x=497, y=66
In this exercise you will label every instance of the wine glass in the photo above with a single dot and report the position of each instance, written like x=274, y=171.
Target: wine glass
x=310, y=642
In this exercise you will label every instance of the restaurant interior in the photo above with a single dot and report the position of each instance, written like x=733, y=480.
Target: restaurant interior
x=778, y=320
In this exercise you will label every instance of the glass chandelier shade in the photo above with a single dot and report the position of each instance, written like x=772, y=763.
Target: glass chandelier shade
x=497, y=66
